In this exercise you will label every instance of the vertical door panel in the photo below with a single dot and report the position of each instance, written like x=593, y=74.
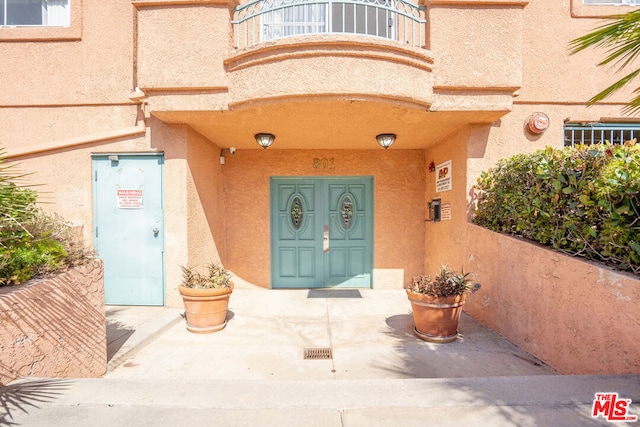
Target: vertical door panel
x=284, y=231
x=337, y=262
x=357, y=261
x=358, y=232
x=307, y=265
x=308, y=228
x=360, y=196
x=288, y=262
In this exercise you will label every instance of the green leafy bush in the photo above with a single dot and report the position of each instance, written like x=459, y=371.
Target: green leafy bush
x=583, y=201
x=32, y=243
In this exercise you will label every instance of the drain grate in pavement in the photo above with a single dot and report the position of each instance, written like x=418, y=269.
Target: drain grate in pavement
x=317, y=353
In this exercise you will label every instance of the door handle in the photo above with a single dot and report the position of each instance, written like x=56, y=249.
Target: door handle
x=325, y=239
x=155, y=232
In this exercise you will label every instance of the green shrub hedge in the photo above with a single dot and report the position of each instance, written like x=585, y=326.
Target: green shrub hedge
x=583, y=201
x=32, y=243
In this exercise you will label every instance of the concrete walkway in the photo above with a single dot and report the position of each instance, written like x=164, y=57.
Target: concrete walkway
x=370, y=337
x=253, y=372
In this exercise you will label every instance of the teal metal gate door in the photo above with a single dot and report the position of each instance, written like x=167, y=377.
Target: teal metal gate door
x=321, y=232
x=128, y=221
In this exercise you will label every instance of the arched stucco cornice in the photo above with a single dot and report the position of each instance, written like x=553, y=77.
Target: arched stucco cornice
x=322, y=46
x=381, y=101
x=329, y=66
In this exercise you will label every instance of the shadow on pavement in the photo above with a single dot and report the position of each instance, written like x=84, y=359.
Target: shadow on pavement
x=117, y=335
x=478, y=352
x=27, y=395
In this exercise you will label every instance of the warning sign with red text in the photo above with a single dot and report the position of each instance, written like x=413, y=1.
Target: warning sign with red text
x=129, y=199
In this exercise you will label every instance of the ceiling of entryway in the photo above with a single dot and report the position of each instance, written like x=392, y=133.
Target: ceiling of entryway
x=328, y=124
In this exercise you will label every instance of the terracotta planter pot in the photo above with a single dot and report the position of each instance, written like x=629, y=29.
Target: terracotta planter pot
x=206, y=309
x=436, y=319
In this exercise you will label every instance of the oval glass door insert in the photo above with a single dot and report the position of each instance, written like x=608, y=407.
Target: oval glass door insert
x=346, y=212
x=297, y=212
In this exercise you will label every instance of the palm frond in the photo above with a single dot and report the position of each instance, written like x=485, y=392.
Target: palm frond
x=621, y=39
x=613, y=88
x=624, y=27
x=8, y=171
x=633, y=107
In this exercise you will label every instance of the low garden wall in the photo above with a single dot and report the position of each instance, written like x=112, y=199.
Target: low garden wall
x=54, y=327
x=574, y=315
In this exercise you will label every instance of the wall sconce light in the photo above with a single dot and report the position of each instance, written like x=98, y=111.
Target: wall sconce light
x=386, y=140
x=264, y=140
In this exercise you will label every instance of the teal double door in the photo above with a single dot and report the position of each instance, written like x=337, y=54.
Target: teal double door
x=321, y=232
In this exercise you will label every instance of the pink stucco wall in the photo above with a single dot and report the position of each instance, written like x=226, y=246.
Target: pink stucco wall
x=443, y=239
x=85, y=73
x=574, y=315
x=194, y=200
x=485, y=67
x=206, y=201
x=181, y=44
x=54, y=327
x=398, y=206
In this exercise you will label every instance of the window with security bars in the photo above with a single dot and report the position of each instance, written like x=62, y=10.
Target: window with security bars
x=600, y=133
x=42, y=13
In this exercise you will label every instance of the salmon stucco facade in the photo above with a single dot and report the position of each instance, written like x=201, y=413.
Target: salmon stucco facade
x=140, y=118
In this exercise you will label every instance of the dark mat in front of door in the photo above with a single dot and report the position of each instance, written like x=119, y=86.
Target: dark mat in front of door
x=334, y=293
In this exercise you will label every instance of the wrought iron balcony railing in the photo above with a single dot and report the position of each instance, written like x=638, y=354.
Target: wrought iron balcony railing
x=263, y=20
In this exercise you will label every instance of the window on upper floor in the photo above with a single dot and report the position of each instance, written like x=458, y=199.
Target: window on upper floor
x=314, y=18
x=613, y=2
x=600, y=133
x=264, y=20
x=42, y=13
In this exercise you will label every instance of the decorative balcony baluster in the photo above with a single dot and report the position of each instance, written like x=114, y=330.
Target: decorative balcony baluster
x=262, y=20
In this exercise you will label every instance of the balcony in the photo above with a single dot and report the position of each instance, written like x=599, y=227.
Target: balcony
x=330, y=49
x=264, y=20
x=325, y=73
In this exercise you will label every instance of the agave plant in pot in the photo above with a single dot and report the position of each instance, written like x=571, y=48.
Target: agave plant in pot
x=206, y=298
x=437, y=302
